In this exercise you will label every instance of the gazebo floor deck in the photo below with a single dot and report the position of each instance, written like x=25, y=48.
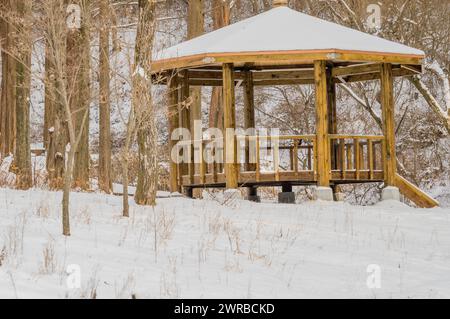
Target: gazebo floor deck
x=248, y=179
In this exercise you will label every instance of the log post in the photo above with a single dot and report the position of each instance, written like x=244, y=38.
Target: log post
x=229, y=122
x=323, y=151
x=172, y=110
x=249, y=117
x=185, y=118
x=249, y=125
x=196, y=134
x=387, y=106
x=332, y=115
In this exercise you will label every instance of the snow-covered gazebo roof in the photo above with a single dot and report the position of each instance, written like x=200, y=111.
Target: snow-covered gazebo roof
x=284, y=35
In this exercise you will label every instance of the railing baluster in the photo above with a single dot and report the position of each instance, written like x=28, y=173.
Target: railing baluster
x=258, y=164
x=342, y=156
x=315, y=157
x=383, y=156
x=349, y=156
x=370, y=157
x=357, y=157
x=295, y=157
x=309, y=157
x=276, y=159
x=179, y=170
x=291, y=159
x=215, y=163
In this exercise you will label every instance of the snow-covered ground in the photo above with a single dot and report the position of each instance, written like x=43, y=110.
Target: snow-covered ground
x=204, y=249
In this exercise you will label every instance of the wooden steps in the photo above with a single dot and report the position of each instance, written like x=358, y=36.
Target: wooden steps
x=414, y=193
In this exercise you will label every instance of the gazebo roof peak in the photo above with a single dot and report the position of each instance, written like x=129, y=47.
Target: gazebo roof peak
x=282, y=31
x=279, y=3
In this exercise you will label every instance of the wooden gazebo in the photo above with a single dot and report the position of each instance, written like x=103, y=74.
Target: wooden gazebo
x=286, y=47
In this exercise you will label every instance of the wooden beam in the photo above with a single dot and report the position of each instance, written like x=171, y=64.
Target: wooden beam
x=356, y=69
x=231, y=171
x=211, y=76
x=284, y=82
x=216, y=83
x=414, y=193
x=173, y=116
x=397, y=71
x=284, y=57
x=322, y=154
x=284, y=75
x=388, y=110
x=257, y=76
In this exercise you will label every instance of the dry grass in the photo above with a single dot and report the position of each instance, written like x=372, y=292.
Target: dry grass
x=49, y=262
x=14, y=239
x=43, y=209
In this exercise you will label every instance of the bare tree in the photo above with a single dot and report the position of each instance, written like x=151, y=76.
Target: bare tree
x=221, y=18
x=66, y=135
x=78, y=73
x=8, y=85
x=22, y=154
x=143, y=105
x=104, y=170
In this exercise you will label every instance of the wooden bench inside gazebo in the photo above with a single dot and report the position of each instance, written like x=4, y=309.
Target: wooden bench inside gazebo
x=285, y=47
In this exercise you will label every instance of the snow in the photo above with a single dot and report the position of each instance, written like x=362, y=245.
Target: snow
x=204, y=249
x=284, y=29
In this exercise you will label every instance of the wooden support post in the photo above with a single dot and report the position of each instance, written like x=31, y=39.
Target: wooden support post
x=229, y=122
x=196, y=134
x=387, y=106
x=323, y=150
x=249, y=117
x=332, y=116
x=173, y=116
x=185, y=117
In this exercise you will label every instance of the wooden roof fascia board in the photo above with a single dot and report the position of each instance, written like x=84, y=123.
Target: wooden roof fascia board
x=284, y=56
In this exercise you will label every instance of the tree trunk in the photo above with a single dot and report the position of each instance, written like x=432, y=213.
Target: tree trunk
x=66, y=193
x=22, y=158
x=195, y=28
x=104, y=169
x=143, y=105
x=221, y=18
x=49, y=116
x=78, y=69
x=8, y=99
x=432, y=102
x=55, y=99
x=126, y=205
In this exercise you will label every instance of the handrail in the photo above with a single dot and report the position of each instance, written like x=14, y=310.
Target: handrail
x=280, y=137
x=361, y=137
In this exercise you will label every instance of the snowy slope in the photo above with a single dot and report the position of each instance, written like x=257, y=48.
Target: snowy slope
x=204, y=249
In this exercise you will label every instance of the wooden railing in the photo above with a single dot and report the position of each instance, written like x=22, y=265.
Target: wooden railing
x=356, y=155
x=284, y=158
x=284, y=153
